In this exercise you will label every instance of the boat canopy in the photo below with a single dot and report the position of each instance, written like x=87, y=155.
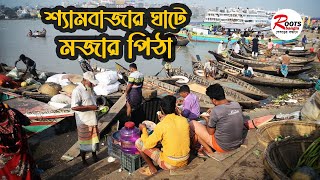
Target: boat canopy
x=236, y=26
x=208, y=24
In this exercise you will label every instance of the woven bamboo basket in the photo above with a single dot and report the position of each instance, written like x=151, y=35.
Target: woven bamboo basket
x=292, y=128
x=281, y=158
x=50, y=89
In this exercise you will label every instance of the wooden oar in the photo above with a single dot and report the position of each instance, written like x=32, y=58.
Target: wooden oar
x=163, y=66
x=159, y=71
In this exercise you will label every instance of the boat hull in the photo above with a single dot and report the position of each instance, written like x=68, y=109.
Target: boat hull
x=272, y=70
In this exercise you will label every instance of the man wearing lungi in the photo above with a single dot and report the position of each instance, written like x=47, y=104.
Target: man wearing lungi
x=83, y=103
x=134, y=89
x=285, y=63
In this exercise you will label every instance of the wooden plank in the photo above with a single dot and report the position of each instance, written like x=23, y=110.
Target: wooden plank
x=197, y=88
x=104, y=121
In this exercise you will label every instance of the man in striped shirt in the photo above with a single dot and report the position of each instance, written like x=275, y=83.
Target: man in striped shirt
x=134, y=89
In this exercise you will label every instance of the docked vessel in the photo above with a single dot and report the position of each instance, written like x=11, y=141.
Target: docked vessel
x=238, y=16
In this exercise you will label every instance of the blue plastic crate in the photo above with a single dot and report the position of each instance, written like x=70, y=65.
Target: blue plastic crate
x=131, y=162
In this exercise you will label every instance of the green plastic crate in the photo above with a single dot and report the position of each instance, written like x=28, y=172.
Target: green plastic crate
x=131, y=162
x=114, y=150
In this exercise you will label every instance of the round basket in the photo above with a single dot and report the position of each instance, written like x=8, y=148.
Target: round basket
x=280, y=158
x=199, y=73
x=69, y=88
x=50, y=89
x=293, y=128
x=182, y=79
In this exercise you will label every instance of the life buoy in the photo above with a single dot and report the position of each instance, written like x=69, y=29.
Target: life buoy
x=182, y=79
x=199, y=73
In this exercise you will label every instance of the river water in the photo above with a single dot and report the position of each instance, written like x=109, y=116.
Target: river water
x=13, y=42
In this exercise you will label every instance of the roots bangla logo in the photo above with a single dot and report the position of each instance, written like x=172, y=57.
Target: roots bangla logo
x=286, y=24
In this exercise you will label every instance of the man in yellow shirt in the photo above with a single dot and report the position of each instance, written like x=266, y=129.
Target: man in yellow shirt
x=173, y=133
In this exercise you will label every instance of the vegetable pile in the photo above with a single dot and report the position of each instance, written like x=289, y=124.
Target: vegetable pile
x=311, y=157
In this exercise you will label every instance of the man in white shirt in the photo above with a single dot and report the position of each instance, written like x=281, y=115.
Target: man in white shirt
x=209, y=69
x=220, y=48
x=236, y=48
x=83, y=102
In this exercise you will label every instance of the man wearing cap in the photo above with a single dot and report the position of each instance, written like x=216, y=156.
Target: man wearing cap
x=134, y=89
x=84, y=104
x=221, y=49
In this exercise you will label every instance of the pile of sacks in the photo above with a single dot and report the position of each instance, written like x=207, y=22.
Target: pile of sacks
x=108, y=83
x=67, y=83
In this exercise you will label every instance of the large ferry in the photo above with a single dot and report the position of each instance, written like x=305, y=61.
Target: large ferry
x=238, y=16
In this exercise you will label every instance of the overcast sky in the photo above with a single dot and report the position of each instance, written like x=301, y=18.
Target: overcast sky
x=308, y=7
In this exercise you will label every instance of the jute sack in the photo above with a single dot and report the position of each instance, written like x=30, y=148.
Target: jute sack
x=311, y=109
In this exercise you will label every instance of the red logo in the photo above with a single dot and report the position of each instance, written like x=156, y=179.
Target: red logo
x=278, y=23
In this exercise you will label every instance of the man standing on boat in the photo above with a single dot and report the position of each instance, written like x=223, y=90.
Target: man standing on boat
x=134, y=89
x=31, y=65
x=255, y=46
x=84, y=64
x=209, y=69
x=285, y=63
x=29, y=33
x=269, y=50
x=83, y=102
x=229, y=44
x=221, y=49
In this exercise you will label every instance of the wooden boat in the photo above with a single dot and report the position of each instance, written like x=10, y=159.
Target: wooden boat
x=162, y=87
x=256, y=63
x=293, y=60
x=273, y=70
x=218, y=38
x=31, y=90
x=258, y=122
x=50, y=114
x=296, y=53
x=37, y=111
x=263, y=79
x=41, y=34
x=291, y=50
x=182, y=41
x=288, y=43
x=231, y=82
x=231, y=94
